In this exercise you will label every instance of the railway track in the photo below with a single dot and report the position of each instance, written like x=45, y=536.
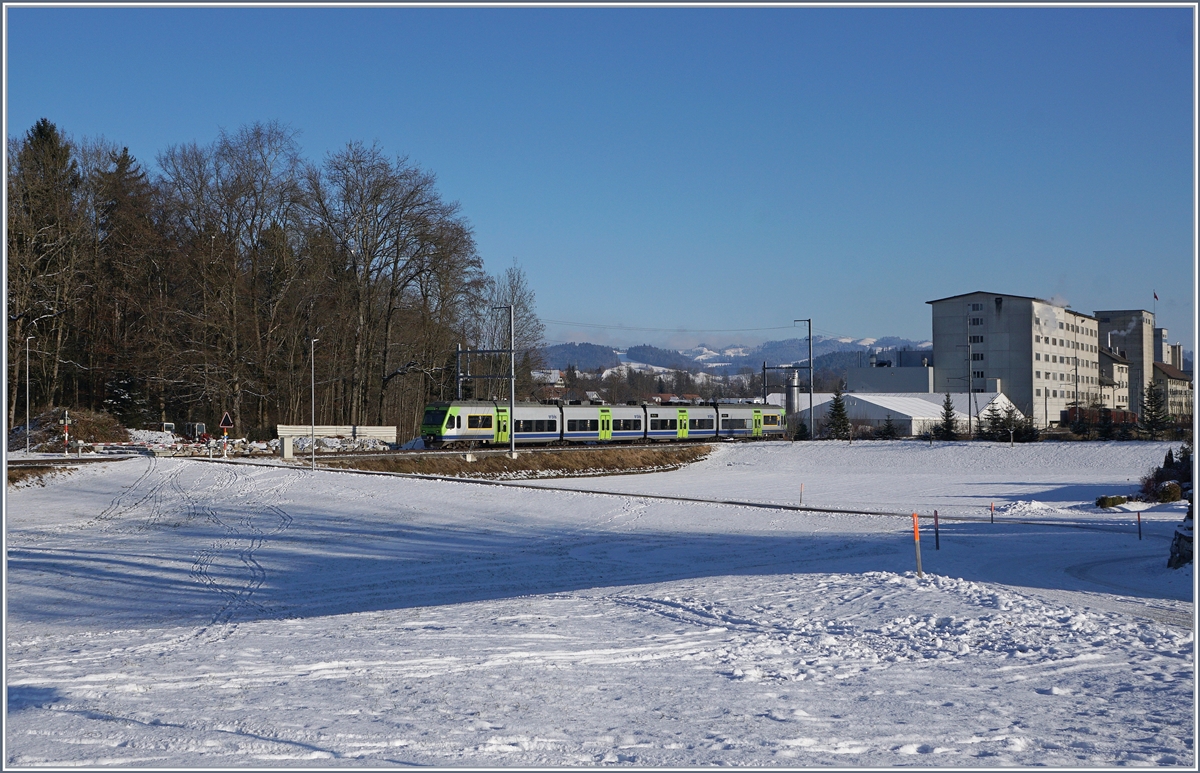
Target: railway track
x=501, y=450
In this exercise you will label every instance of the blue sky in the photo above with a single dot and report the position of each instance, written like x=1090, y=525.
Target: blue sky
x=692, y=169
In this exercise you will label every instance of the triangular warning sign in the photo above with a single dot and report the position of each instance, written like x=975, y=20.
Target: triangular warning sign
x=226, y=422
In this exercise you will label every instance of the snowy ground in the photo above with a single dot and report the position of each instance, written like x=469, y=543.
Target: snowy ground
x=168, y=612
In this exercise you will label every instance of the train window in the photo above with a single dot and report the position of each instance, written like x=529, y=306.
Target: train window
x=593, y=425
x=672, y=423
x=637, y=425
x=572, y=425
x=654, y=424
x=770, y=420
x=733, y=424
x=477, y=421
x=552, y=425
x=539, y=425
x=434, y=418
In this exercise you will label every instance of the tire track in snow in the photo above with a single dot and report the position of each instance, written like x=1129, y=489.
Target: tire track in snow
x=247, y=532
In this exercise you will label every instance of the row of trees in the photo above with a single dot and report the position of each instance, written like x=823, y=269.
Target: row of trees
x=200, y=288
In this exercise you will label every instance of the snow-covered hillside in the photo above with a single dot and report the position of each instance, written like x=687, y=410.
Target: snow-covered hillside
x=170, y=612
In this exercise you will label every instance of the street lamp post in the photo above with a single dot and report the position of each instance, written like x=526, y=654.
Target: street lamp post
x=27, y=340
x=512, y=385
x=810, y=375
x=312, y=432
x=512, y=378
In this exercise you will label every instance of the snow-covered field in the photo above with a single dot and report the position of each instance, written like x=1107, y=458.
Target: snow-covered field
x=182, y=612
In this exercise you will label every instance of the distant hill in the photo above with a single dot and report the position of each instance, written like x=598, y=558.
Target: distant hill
x=795, y=350
x=585, y=357
x=832, y=356
x=663, y=358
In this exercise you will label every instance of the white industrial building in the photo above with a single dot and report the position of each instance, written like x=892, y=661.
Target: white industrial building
x=1044, y=357
x=912, y=413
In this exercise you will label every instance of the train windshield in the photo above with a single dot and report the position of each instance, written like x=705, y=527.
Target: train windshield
x=433, y=417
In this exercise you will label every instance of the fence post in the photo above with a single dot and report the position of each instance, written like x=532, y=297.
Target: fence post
x=801, y=493
x=917, y=544
x=1139, y=517
x=993, y=512
x=937, y=540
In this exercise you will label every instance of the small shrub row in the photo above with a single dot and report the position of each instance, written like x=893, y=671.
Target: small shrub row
x=1110, y=501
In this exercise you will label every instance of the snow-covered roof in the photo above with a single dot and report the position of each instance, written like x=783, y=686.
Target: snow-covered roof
x=917, y=405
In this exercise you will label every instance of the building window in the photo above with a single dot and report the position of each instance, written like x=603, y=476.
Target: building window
x=1037, y=356
x=1038, y=392
x=976, y=339
x=977, y=356
x=976, y=321
x=1037, y=374
x=976, y=307
x=977, y=373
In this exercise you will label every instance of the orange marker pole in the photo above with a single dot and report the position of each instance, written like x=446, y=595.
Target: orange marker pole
x=1139, y=515
x=801, y=493
x=917, y=544
x=993, y=512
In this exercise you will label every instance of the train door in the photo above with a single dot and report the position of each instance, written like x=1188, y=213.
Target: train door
x=757, y=431
x=683, y=426
x=501, y=425
x=606, y=424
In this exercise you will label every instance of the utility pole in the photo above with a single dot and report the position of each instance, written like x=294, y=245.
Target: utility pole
x=27, y=340
x=970, y=373
x=512, y=375
x=512, y=384
x=810, y=375
x=312, y=361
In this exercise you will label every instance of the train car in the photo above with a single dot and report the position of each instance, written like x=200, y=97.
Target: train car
x=774, y=424
x=469, y=422
x=536, y=423
x=628, y=422
x=464, y=421
x=752, y=421
x=701, y=421
x=586, y=423
x=667, y=422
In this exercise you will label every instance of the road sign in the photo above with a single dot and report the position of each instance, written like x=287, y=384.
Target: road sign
x=226, y=422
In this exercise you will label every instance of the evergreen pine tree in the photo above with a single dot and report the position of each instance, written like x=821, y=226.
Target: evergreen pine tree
x=888, y=430
x=947, y=429
x=992, y=427
x=1105, y=429
x=1025, y=431
x=839, y=421
x=1154, y=417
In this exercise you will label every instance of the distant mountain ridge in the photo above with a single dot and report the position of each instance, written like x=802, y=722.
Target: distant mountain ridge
x=729, y=359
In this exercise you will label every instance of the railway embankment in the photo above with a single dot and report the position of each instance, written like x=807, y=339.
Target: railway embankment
x=563, y=464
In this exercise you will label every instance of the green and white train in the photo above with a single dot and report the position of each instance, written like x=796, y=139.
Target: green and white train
x=481, y=422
